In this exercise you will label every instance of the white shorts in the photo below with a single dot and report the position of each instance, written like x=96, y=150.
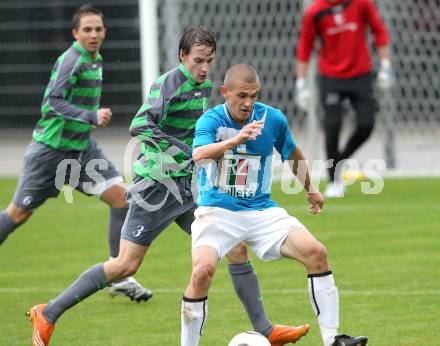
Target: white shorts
x=263, y=230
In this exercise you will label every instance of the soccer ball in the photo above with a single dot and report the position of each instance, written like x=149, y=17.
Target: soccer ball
x=249, y=339
x=352, y=176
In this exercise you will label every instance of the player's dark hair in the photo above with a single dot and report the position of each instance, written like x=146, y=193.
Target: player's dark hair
x=82, y=11
x=197, y=35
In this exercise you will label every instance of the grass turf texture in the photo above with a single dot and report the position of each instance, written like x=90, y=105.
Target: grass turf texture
x=383, y=250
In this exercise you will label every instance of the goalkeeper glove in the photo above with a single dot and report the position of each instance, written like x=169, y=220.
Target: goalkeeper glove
x=303, y=96
x=385, y=76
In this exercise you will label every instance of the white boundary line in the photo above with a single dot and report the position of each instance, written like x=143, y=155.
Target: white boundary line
x=5, y=290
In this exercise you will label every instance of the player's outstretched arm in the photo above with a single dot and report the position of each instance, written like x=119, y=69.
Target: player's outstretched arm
x=298, y=165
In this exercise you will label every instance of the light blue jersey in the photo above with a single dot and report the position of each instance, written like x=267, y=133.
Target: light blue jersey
x=242, y=179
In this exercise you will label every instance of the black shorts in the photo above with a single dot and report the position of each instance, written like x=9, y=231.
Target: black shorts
x=360, y=92
x=155, y=205
x=45, y=171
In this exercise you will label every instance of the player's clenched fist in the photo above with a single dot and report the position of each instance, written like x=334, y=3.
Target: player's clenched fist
x=250, y=131
x=104, y=116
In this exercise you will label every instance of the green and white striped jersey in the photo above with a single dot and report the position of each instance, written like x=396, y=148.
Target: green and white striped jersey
x=71, y=101
x=166, y=123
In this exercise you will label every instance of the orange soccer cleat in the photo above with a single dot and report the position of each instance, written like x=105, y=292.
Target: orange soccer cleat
x=42, y=328
x=284, y=334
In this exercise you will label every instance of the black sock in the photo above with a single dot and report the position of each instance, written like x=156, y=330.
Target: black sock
x=89, y=282
x=117, y=218
x=248, y=290
x=7, y=226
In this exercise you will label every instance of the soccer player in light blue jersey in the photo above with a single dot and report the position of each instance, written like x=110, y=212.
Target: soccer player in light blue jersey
x=233, y=147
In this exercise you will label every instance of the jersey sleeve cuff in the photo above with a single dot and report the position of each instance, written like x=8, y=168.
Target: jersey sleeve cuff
x=93, y=117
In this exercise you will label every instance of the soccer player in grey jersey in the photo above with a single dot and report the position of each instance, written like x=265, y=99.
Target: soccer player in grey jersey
x=161, y=193
x=70, y=110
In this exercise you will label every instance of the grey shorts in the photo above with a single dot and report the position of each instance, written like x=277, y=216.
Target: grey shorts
x=45, y=171
x=155, y=205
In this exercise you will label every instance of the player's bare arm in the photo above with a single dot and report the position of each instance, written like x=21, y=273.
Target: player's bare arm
x=215, y=151
x=298, y=165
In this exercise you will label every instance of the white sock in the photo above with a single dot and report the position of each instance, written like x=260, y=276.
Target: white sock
x=193, y=315
x=325, y=303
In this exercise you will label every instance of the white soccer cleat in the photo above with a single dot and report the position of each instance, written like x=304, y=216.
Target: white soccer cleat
x=334, y=190
x=131, y=288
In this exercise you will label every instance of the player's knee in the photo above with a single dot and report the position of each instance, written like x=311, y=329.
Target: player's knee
x=202, y=273
x=317, y=260
x=22, y=218
x=238, y=254
x=365, y=129
x=18, y=215
x=115, y=197
x=124, y=269
x=118, y=202
x=131, y=268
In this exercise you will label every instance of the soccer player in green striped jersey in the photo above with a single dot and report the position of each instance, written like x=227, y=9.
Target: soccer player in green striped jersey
x=70, y=110
x=161, y=193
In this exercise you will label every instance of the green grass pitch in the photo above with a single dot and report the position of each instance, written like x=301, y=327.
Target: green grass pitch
x=384, y=251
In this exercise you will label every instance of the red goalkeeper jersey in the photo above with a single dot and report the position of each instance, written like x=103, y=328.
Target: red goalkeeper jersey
x=342, y=27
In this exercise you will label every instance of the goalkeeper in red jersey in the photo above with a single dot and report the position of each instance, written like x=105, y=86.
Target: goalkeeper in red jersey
x=345, y=72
